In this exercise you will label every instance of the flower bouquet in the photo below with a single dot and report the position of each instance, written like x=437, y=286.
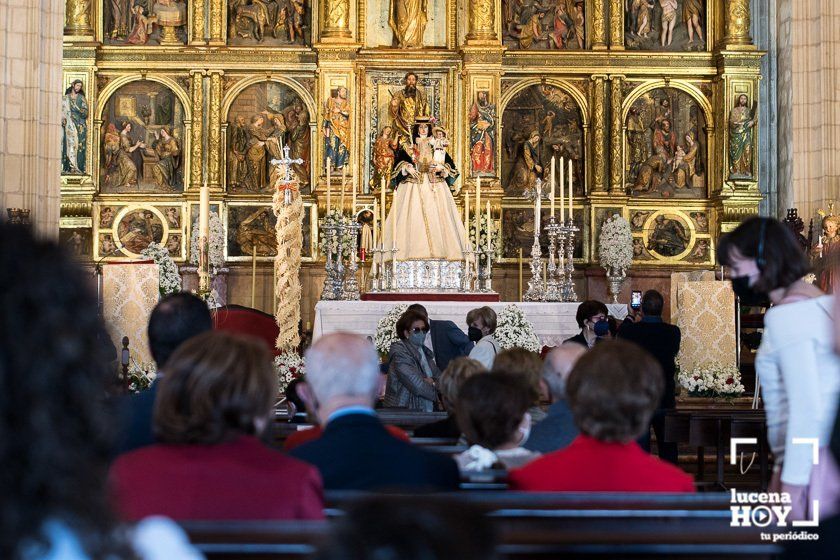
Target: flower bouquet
x=712, y=380
x=344, y=237
x=289, y=366
x=386, y=330
x=495, y=240
x=513, y=329
x=217, y=244
x=141, y=376
x=170, y=279
x=615, y=252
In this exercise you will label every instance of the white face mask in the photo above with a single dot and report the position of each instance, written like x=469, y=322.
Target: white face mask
x=525, y=428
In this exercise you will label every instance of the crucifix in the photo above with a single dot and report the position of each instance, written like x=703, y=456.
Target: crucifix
x=287, y=179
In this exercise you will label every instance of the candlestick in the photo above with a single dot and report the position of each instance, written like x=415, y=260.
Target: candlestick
x=343, y=185
x=477, y=210
x=467, y=213
x=551, y=196
x=329, y=188
x=571, y=190
x=562, y=192
x=353, y=197
x=204, y=239
x=254, y=277
x=489, y=231
x=520, y=274
x=537, y=209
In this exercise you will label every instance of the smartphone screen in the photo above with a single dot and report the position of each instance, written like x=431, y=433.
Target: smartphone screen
x=636, y=299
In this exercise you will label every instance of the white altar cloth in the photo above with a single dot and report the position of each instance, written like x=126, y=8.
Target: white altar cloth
x=553, y=322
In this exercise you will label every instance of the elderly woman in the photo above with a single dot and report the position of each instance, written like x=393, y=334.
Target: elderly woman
x=527, y=366
x=482, y=325
x=493, y=414
x=412, y=374
x=451, y=381
x=215, y=400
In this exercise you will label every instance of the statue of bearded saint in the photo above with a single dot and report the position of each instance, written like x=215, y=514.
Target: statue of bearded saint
x=408, y=21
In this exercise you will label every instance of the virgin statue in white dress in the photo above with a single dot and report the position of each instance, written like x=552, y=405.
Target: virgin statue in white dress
x=428, y=225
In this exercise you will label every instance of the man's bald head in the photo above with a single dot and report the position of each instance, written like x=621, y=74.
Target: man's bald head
x=342, y=365
x=558, y=364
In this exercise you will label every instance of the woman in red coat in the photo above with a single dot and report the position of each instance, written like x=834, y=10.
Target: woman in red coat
x=612, y=391
x=215, y=398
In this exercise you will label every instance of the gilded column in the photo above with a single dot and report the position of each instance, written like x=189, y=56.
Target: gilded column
x=599, y=25
x=217, y=19
x=336, y=20
x=197, y=32
x=214, y=135
x=599, y=134
x=616, y=136
x=197, y=93
x=482, y=25
x=617, y=25
x=737, y=25
x=77, y=18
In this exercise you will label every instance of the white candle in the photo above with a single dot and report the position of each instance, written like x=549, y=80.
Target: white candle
x=353, y=197
x=551, y=196
x=343, y=184
x=489, y=229
x=375, y=222
x=393, y=227
x=204, y=213
x=571, y=190
x=562, y=193
x=382, y=209
x=477, y=209
x=537, y=209
x=329, y=188
x=467, y=211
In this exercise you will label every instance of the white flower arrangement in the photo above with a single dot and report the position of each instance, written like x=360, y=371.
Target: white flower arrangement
x=711, y=380
x=141, y=376
x=170, y=280
x=344, y=237
x=495, y=240
x=615, y=245
x=514, y=330
x=217, y=243
x=289, y=366
x=386, y=329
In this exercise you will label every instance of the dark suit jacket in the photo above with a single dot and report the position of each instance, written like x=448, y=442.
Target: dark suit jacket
x=663, y=342
x=555, y=431
x=356, y=452
x=446, y=428
x=135, y=413
x=579, y=339
x=449, y=342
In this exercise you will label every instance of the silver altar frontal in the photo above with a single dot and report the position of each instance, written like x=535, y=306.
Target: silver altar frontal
x=432, y=274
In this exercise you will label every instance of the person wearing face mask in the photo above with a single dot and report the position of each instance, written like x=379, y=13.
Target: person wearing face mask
x=445, y=339
x=492, y=412
x=481, y=323
x=412, y=372
x=797, y=371
x=592, y=319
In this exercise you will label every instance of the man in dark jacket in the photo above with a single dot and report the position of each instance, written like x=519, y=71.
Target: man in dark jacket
x=447, y=340
x=648, y=330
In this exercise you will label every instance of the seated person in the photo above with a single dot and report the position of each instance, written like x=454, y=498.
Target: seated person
x=356, y=452
x=557, y=429
x=481, y=323
x=216, y=399
x=589, y=314
x=612, y=390
x=493, y=415
x=445, y=339
x=412, y=373
x=528, y=366
x=451, y=380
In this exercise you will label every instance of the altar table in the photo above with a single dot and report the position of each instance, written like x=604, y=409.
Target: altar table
x=553, y=322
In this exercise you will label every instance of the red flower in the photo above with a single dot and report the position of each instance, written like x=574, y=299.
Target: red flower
x=696, y=378
x=730, y=381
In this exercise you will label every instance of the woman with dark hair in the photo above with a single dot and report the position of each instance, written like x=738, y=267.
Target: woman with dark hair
x=55, y=428
x=216, y=399
x=591, y=317
x=797, y=369
x=493, y=414
x=412, y=374
x=528, y=366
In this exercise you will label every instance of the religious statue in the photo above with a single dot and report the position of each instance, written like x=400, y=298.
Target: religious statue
x=256, y=234
x=405, y=106
x=384, y=153
x=741, y=123
x=74, y=121
x=827, y=251
x=669, y=20
x=636, y=141
x=121, y=169
x=407, y=19
x=528, y=167
x=237, y=168
x=120, y=16
x=423, y=215
x=337, y=128
x=668, y=237
x=267, y=21
x=693, y=15
x=483, y=134
x=166, y=171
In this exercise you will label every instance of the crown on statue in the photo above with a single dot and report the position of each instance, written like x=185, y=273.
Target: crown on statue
x=425, y=119
x=828, y=214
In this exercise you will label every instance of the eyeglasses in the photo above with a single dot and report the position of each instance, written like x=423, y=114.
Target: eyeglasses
x=416, y=330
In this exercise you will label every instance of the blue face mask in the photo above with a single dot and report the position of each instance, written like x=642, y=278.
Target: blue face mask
x=602, y=328
x=417, y=338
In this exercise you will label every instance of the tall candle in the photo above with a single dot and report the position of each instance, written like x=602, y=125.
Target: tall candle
x=393, y=227
x=382, y=208
x=537, y=210
x=204, y=213
x=375, y=222
x=551, y=196
x=353, y=197
x=520, y=274
x=489, y=230
x=477, y=210
x=562, y=192
x=343, y=184
x=329, y=188
x=467, y=212
x=571, y=190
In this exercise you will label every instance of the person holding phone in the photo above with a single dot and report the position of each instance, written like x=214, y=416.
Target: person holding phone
x=645, y=327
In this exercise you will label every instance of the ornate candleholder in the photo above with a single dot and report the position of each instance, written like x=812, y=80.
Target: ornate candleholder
x=487, y=282
x=553, y=290
x=392, y=284
x=329, y=292
x=568, y=289
x=467, y=277
x=338, y=276
x=376, y=270
x=536, y=289
x=351, y=282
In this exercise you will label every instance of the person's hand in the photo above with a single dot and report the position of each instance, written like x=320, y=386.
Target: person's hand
x=430, y=381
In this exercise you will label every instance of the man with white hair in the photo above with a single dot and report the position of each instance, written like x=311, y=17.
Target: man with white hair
x=356, y=452
x=557, y=429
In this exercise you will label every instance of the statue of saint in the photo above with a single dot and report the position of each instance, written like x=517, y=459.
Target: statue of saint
x=827, y=252
x=74, y=120
x=741, y=124
x=337, y=128
x=406, y=105
x=428, y=225
x=408, y=21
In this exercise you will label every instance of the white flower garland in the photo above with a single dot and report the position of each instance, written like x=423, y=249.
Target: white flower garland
x=141, y=376
x=170, y=280
x=335, y=218
x=712, y=380
x=514, y=330
x=495, y=241
x=615, y=245
x=386, y=329
x=289, y=366
x=217, y=243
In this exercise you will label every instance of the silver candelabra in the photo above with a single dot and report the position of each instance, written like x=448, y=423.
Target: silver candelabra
x=350, y=281
x=568, y=287
x=536, y=290
x=555, y=273
x=329, y=292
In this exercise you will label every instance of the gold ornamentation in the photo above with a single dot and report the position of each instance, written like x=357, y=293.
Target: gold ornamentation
x=197, y=93
x=77, y=18
x=599, y=28
x=408, y=20
x=214, y=142
x=217, y=19
x=617, y=24
x=737, y=22
x=198, y=22
x=599, y=131
x=336, y=19
x=482, y=24
x=616, y=138
x=707, y=324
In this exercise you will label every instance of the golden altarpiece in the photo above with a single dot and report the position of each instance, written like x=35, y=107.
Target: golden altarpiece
x=653, y=102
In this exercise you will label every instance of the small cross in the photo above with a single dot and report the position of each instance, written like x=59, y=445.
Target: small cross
x=287, y=162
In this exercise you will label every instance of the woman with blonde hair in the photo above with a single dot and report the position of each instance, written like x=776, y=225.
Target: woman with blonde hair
x=481, y=323
x=450, y=382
